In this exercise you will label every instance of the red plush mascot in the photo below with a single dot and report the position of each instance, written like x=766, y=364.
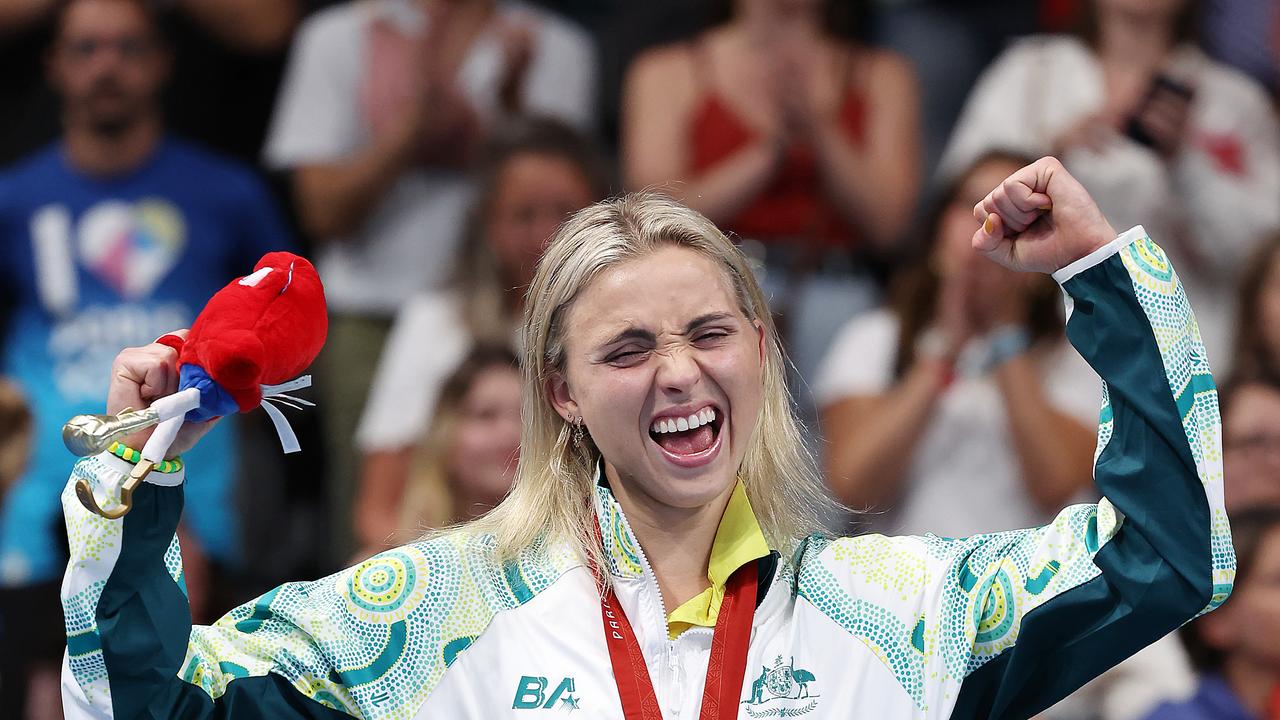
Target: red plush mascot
x=249, y=344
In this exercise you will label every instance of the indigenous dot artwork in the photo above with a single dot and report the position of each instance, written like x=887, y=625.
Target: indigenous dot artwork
x=338, y=639
x=619, y=544
x=886, y=634
x=1186, y=365
x=173, y=564
x=94, y=543
x=986, y=584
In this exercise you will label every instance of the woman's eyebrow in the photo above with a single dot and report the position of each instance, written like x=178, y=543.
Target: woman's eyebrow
x=630, y=333
x=705, y=320
x=635, y=333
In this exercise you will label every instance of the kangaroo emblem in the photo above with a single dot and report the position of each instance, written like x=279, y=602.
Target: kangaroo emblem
x=775, y=691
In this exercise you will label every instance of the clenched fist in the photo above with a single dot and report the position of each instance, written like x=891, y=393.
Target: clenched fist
x=139, y=377
x=1040, y=219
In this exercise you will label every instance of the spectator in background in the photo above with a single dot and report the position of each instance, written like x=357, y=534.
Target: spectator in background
x=227, y=58
x=1251, y=443
x=1235, y=648
x=960, y=406
x=802, y=143
x=535, y=173
x=1153, y=128
x=112, y=236
x=383, y=106
x=1256, y=354
x=463, y=465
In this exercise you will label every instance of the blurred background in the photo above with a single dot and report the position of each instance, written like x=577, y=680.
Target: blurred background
x=422, y=152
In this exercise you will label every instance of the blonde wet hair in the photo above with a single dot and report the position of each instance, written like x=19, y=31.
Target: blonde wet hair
x=552, y=492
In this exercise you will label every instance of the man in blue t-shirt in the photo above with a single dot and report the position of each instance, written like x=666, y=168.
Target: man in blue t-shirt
x=112, y=236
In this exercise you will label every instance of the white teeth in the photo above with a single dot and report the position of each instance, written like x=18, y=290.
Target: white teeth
x=670, y=425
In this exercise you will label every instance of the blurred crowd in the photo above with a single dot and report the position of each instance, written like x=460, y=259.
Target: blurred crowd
x=423, y=152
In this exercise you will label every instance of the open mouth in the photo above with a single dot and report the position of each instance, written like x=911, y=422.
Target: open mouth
x=689, y=440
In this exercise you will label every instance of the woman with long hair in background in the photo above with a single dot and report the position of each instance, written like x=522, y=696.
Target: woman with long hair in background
x=799, y=140
x=533, y=175
x=959, y=407
x=464, y=463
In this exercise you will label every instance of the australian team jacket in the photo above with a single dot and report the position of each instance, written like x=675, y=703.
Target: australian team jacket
x=991, y=626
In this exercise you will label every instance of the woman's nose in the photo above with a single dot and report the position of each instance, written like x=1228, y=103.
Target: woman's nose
x=678, y=371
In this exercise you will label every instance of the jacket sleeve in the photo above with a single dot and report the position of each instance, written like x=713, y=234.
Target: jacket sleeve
x=1038, y=613
x=131, y=649
x=1005, y=624
x=370, y=641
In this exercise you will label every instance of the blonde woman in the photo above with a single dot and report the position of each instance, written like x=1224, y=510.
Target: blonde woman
x=463, y=465
x=659, y=557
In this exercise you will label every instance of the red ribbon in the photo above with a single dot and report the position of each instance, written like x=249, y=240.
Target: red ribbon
x=725, y=669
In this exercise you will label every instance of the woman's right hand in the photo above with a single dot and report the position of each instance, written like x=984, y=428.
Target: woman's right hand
x=139, y=377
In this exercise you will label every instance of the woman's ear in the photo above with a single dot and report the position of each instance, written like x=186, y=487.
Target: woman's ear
x=561, y=397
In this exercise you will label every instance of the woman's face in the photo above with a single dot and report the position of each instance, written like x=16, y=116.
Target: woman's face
x=1269, y=311
x=486, y=442
x=1158, y=10
x=1249, y=624
x=649, y=344
x=1251, y=440
x=533, y=194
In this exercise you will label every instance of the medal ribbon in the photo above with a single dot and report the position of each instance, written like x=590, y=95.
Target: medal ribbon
x=725, y=668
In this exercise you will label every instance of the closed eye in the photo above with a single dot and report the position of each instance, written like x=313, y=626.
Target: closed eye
x=626, y=357
x=710, y=336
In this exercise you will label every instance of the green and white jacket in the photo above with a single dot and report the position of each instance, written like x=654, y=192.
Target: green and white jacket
x=992, y=626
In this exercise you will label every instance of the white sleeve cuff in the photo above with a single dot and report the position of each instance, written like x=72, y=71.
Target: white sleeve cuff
x=1097, y=256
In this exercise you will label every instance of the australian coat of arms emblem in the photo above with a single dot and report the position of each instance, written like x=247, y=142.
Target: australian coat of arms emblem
x=782, y=691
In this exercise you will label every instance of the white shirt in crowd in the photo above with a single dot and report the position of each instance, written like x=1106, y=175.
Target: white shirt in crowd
x=1210, y=205
x=964, y=477
x=409, y=242
x=428, y=342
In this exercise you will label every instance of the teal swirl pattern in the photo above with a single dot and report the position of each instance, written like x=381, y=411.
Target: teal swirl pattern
x=387, y=587
x=619, y=544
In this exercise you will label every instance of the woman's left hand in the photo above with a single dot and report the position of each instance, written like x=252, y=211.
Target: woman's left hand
x=1040, y=219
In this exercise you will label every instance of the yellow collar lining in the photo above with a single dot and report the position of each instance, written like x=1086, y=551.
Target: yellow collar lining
x=738, y=541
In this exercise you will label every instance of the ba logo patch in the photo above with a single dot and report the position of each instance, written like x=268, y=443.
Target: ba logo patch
x=782, y=691
x=531, y=694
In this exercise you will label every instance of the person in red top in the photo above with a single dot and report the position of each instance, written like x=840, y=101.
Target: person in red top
x=804, y=145
x=777, y=129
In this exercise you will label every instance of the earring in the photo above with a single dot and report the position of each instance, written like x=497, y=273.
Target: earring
x=577, y=432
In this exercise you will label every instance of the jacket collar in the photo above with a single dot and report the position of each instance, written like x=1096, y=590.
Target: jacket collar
x=621, y=549
x=738, y=541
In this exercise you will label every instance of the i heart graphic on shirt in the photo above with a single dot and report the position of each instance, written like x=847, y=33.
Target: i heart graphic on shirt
x=132, y=246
